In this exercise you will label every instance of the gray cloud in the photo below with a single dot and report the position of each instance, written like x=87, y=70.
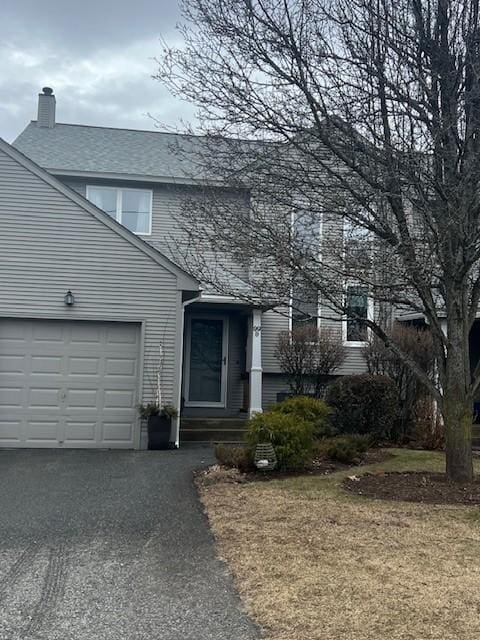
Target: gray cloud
x=96, y=55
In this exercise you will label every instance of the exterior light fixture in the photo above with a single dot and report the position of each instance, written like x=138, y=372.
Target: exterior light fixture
x=69, y=299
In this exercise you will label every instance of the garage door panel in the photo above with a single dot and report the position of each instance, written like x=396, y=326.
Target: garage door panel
x=117, y=431
x=68, y=383
x=10, y=431
x=41, y=364
x=122, y=335
x=120, y=366
x=86, y=334
x=11, y=397
x=15, y=332
x=76, y=431
x=82, y=398
x=117, y=399
x=84, y=366
x=42, y=398
x=48, y=332
x=11, y=364
x=44, y=430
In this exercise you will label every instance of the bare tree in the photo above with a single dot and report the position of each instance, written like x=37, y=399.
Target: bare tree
x=308, y=356
x=328, y=356
x=361, y=112
x=295, y=356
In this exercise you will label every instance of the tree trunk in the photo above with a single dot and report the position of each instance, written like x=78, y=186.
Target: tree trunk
x=457, y=416
x=457, y=407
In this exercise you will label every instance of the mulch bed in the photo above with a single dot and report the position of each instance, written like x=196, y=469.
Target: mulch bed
x=321, y=467
x=428, y=488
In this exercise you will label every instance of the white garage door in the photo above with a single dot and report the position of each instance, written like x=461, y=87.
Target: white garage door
x=68, y=383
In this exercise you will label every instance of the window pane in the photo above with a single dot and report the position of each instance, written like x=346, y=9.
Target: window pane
x=357, y=246
x=357, y=313
x=306, y=231
x=105, y=199
x=304, y=306
x=136, y=210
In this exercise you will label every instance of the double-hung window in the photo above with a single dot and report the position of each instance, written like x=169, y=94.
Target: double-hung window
x=357, y=311
x=130, y=207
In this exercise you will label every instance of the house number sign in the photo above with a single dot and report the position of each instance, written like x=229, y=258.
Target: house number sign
x=256, y=330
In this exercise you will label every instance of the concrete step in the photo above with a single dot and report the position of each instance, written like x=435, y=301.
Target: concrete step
x=210, y=430
x=212, y=435
x=212, y=423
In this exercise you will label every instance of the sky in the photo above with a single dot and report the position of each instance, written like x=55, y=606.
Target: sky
x=97, y=55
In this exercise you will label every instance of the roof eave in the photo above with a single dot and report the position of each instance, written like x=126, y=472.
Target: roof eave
x=132, y=177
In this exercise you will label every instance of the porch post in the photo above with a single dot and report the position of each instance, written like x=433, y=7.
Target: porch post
x=254, y=361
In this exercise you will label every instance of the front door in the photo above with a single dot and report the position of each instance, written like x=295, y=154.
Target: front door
x=206, y=361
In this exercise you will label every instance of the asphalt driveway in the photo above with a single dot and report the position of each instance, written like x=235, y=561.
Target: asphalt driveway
x=110, y=545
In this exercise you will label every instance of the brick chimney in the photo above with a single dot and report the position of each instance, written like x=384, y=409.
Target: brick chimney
x=46, y=108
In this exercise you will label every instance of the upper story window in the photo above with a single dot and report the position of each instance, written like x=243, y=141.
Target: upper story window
x=357, y=246
x=358, y=310
x=304, y=307
x=306, y=237
x=306, y=232
x=130, y=207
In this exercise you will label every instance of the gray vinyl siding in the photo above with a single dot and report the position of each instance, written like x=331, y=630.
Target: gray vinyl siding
x=168, y=202
x=49, y=244
x=354, y=361
x=273, y=384
x=273, y=323
x=167, y=206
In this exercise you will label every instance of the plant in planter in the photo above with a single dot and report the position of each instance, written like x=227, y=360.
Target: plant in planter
x=159, y=424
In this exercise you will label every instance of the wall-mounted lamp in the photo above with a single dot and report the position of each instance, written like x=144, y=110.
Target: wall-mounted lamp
x=69, y=299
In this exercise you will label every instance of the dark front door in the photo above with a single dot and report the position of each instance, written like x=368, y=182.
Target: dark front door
x=206, y=361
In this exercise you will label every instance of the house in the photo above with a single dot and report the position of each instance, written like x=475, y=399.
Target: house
x=97, y=312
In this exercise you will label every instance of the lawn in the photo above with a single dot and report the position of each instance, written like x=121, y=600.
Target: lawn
x=313, y=562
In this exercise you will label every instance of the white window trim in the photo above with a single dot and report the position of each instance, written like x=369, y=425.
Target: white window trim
x=118, y=213
x=319, y=303
x=370, y=317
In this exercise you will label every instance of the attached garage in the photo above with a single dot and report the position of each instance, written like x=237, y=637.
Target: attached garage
x=68, y=383
x=73, y=368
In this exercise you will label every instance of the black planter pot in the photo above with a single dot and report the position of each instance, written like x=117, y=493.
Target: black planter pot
x=159, y=429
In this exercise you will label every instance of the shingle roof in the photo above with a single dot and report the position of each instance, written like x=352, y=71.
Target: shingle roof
x=81, y=148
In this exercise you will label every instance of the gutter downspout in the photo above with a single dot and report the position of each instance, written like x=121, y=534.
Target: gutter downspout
x=180, y=386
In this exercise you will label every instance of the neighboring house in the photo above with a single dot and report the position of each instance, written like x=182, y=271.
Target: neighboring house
x=71, y=375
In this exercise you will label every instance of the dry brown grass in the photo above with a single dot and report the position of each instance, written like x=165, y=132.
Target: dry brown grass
x=313, y=563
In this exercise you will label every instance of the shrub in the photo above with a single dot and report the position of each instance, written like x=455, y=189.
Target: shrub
x=416, y=343
x=292, y=438
x=310, y=410
x=295, y=357
x=234, y=456
x=364, y=404
x=346, y=448
x=308, y=356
